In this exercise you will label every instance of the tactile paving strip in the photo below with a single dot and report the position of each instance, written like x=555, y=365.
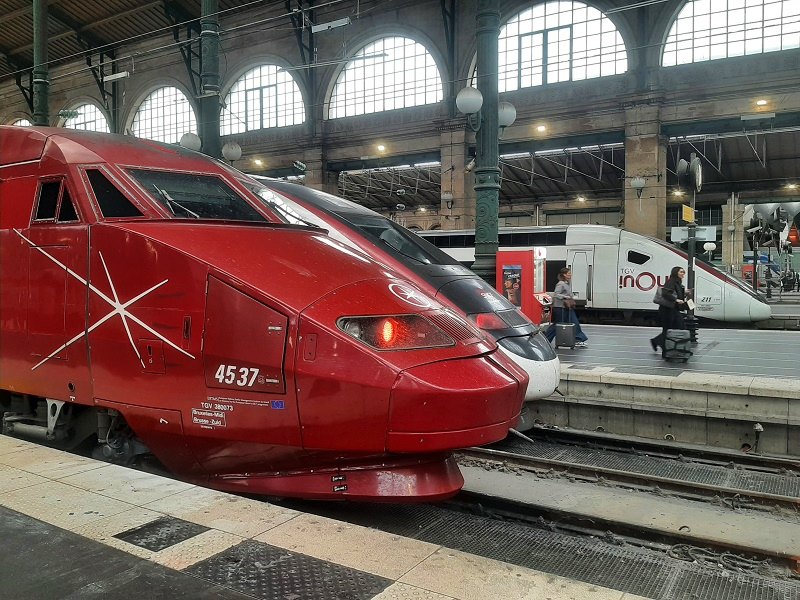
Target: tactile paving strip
x=782, y=485
x=269, y=573
x=161, y=533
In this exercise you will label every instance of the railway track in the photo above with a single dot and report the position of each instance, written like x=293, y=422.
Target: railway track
x=735, y=480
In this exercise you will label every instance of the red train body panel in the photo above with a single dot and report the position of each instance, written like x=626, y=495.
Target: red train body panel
x=150, y=303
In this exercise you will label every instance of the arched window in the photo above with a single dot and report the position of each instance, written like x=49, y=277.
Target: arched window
x=22, y=123
x=712, y=29
x=266, y=96
x=164, y=116
x=87, y=116
x=558, y=41
x=394, y=72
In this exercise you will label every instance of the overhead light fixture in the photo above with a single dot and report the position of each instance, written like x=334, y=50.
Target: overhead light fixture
x=258, y=162
x=330, y=25
x=761, y=102
x=677, y=193
x=381, y=148
x=758, y=117
x=638, y=183
x=69, y=113
x=115, y=76
x=791, y=186
x=581, y=198
x=541, y=128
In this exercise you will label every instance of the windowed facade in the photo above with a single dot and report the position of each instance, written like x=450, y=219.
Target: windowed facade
x=712, y=29
x=164, y=116
x=394, y=72
x=264, y=97
x=558, y=41
x=89, y=118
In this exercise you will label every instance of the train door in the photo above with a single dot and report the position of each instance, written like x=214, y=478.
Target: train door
x=56, y=322
x=580, y=261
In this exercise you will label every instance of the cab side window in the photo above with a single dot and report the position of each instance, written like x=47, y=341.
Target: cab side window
x=55, y=204
x=637, y=258
x=48, y=201
x=113, y=203
x=66, y=210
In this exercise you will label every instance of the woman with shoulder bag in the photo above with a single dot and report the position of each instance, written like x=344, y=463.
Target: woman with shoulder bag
x=673, y=304
x=563, y=305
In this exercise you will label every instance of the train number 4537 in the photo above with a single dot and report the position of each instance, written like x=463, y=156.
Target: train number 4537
x=233, y=375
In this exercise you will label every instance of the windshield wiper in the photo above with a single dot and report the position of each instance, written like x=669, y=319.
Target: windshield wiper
x=286, y=213
x=170, y=201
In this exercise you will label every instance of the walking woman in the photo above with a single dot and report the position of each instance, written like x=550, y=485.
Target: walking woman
x=563, y=305
x=671, y=315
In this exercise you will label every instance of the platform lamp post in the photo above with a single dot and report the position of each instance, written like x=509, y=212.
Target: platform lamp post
x=709, y=247
x=692, y=173
x=487, y=117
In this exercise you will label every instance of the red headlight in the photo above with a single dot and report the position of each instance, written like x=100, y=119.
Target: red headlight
x=489, y=321
x=395, y=332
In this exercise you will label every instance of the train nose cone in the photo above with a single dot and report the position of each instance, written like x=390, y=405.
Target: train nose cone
x=433, y=410
x=536, y=356
x=759, y=311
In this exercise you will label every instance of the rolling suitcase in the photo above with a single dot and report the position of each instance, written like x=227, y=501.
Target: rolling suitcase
x=676, y=345
x=565, y=334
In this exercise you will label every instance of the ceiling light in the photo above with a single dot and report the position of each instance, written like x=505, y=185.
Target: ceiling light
x=423, y=209
x=677, y=193
x=541, y=128
x=761, y=102
x=791, y=186
x=581, y=198
x=381, y=148
x=258, y=162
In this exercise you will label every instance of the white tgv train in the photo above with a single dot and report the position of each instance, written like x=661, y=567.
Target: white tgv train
x=614, y=269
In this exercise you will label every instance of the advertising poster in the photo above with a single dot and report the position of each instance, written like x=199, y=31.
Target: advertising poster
x=512, y=284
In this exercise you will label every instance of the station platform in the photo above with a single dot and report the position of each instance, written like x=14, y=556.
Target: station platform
x=740, y=389
x=76, y=528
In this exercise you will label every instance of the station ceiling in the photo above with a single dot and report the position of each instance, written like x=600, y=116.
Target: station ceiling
x=757, y=163
x=756, y=159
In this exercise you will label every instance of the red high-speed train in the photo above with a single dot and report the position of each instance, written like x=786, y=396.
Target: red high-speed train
x=151, y=304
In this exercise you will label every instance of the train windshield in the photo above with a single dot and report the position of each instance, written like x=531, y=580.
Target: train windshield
x=398, y=239
x=195, y=196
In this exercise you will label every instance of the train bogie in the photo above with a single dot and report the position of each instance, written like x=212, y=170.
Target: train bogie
x=151, y=304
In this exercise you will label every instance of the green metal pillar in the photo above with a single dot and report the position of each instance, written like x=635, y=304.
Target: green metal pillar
x=41, y=85
x=209, y=79
x=487, y=169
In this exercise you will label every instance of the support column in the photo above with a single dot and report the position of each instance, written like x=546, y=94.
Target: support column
x=645, y=156
x=733, y=238
x=457, y=210
x=41, y=83
x=314, y=175
x=487, y=169
x=209, y=79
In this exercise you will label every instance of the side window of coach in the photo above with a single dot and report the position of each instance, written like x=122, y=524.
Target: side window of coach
x=55, y=204
x=113, y=203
